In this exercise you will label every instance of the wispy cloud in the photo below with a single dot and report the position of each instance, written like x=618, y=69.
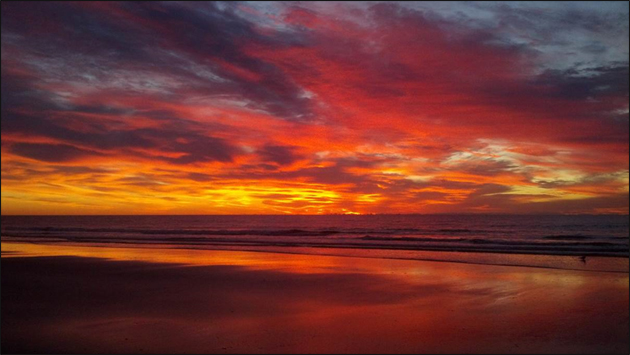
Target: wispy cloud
x=314, y=107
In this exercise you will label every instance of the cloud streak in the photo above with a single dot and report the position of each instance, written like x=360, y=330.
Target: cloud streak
x=314, y=108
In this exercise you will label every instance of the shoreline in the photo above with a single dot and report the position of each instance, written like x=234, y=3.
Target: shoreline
x=210, y=242
x=79, y=299
x=595, y=263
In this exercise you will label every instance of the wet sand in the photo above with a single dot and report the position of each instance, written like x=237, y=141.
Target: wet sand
x=68, y=299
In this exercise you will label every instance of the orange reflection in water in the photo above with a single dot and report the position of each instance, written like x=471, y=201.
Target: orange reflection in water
x=235, y=301
x=295, y=263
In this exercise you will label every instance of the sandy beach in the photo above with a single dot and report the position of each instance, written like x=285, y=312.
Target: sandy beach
x=71, y=299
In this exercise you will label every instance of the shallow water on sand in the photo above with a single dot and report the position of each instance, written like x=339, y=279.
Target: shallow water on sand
x=490, y=239
x=70, y=298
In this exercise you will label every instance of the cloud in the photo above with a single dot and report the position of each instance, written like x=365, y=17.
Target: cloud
x=587, y=83
x=318, y=107
x=170, y=50
x=281, y=155
x=55, y=153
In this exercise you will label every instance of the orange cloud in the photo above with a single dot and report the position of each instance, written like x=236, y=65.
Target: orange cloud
x=340, y=108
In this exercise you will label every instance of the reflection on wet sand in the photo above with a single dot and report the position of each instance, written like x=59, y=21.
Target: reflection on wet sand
x=85, y=299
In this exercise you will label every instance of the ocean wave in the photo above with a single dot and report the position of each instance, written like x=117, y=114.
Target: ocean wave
x=289, y=232
x=490, y=241
x=366, y=242
x=582, y=237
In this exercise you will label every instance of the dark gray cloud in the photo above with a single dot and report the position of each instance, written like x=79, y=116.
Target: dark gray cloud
x=194, y=147
x=485, y=167
x=582, y=84
x=281, y=155
x=55, y=153
x=47, y=119
x=199, y=149
x=172, y=50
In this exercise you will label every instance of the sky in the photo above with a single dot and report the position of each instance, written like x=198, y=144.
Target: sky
x=314, y=107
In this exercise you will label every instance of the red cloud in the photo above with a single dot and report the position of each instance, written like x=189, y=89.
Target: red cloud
x=384, y=109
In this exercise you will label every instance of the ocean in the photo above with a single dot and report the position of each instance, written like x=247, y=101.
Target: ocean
x=576, y=235
x=135, y=284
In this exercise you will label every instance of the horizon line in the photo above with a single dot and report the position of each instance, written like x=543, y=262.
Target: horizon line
x=325, y=214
